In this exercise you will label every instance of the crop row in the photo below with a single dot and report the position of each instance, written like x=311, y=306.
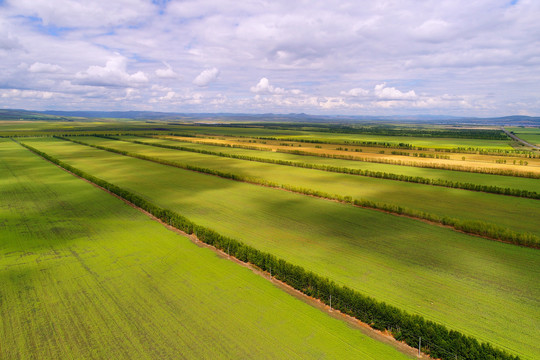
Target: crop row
x=480, y=228
x=442, y=343
x=435, y=165
x=349, y=171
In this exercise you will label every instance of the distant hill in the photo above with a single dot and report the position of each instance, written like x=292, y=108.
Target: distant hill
x=53, y=115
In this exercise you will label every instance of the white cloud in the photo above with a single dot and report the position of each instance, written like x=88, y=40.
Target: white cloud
x=38, y=67
x=26, y=94
x=487, y=54
x=391, y=93
x=356, y=92
x=166, y=73
x=206, y=77
x=264, y=87
x=69, y=13
x=112, y=74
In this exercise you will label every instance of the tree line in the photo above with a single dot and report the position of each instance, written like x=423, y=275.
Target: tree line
x=474, y=227
x=344, y=170
x=439, y=166
x=441, y=342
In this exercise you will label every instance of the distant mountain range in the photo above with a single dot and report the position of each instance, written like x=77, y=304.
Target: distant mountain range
x=53, y=115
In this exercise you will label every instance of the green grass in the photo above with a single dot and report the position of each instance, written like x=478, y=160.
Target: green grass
x=85, y=276
x=531, y=135
x=480, y=287
x=438, y=143
x=457, y=176
x=518, y=214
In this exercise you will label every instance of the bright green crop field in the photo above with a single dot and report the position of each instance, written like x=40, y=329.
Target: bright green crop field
x=85, y=276
x=483, y=288
x=517, y=214
x=458, y=176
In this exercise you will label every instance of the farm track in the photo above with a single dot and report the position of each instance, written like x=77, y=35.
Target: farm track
x=363, y=327
x=519, y=139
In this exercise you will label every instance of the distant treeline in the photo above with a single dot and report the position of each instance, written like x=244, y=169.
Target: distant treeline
x=468, y=226
x=439, y=341
x=401, y=145
x=379, y=130
x=349, y=171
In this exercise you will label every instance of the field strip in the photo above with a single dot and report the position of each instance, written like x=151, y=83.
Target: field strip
x=520, y=183
x=381, y=159
x=120, y=286
x=357, y=172
x=259, y=258
x=484, y=230
x=378, y=335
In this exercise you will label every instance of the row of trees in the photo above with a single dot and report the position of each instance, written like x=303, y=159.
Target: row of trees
x=440, y=166
x=361, y=172
x=472, y=227
x=384, y=130
x=440, y=342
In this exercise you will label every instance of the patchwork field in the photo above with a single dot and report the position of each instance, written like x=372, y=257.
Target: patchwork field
x=480, y=287
x=439, y=143
x=426, y=158
x=458, y=176
x=85, y=276
x=517, y=214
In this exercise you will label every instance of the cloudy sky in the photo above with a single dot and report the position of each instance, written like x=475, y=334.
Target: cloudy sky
x=479, y=57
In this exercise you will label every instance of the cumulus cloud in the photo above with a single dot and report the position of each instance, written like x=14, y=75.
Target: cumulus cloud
x=473, y=50
x=38, y=67
x=391, y=93
x=356, y=92
x=166, y=73
x=112, y=74
x=264, y=87
x=206, y=77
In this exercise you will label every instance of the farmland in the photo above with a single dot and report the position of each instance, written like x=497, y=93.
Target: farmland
x=388, y=212
x=531, y=135
x=517, y=214
x=83, y=275
x=458, y=176
x=480, y=287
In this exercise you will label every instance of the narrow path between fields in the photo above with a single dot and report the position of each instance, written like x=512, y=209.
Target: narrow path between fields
x=519, y=139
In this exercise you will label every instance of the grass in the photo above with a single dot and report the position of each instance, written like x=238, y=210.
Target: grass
x=457, y=176
x=440, y=143
x=470, y=162
x=480, y=287
x=85, y=276
x=518, y=214
x=531, y=135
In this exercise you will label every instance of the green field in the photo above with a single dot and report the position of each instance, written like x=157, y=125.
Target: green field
x=531, y=135
x=435, y=143
x=518, y=214
x=481, y=287
x=457, y=176
x=85, y=276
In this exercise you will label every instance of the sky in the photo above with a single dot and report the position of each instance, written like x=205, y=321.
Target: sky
x=442, y=57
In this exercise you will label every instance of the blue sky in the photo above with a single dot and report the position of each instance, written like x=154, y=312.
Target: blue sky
x=478, y=58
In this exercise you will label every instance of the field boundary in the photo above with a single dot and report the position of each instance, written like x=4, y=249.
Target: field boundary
x=349, y=171
x=437, y=340
x=470, y=227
